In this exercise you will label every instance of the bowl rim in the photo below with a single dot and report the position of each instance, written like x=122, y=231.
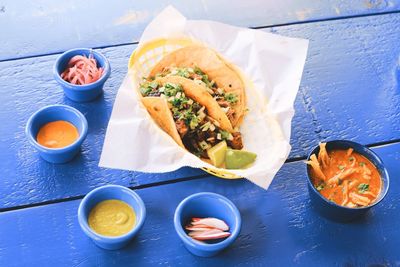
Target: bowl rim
x=42, y=148
x=204, y=246
x=84, y=87
x=368, y=156
x=121, y=189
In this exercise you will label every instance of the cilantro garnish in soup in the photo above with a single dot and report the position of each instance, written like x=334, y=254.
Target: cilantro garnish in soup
x=345, y=177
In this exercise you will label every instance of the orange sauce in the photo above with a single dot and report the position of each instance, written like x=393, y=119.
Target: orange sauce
x=350, y=179
x=57, y=134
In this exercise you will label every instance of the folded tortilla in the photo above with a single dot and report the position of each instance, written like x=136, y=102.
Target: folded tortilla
x=160, y=112
x=199, y=94
x=190, y=115
x=212, y=64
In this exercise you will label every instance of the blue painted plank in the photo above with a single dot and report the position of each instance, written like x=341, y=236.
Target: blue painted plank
x=279, y=228
x=27, y=85
x=328, y=84
x=351, y=78
x=56, y=27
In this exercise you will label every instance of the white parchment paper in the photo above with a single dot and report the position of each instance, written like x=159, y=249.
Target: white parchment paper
x=273, y=63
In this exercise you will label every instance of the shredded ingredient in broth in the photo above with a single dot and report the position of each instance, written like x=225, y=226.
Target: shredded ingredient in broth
x=345, y=177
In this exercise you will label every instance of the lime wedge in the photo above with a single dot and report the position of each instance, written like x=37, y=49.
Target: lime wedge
x=217, y=153
x=239, y=159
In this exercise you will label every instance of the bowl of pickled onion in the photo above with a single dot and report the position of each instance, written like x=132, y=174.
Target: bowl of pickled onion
x=82, y=72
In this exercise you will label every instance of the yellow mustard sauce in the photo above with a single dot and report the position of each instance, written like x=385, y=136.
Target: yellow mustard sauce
x=112, y=218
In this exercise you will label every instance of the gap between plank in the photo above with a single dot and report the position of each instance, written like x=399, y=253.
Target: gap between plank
x=295, y=159
x=255, y=27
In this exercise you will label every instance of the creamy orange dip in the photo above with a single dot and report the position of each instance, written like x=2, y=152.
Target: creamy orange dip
x=112, y=218
x=57, y=134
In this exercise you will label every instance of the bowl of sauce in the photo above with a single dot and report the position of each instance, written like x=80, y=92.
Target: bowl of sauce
x=111, y=216
x=57, y=132
x=82, y=72
x=345, y=179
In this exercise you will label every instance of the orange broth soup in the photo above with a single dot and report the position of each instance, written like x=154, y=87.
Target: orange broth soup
x=345, y=177
x=57, y=134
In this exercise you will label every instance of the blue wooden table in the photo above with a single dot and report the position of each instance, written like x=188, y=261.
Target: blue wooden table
x=349, y=90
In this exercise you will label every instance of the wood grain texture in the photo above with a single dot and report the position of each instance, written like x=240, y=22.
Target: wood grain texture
x=351, y=79
x=28, y=85
x=42, y=27
x=349, y=91
x=279, y=227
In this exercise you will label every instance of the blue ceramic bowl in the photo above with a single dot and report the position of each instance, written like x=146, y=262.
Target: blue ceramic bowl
x=81, y=93
x=108, y=192
x=336, y=212
x=204, y=205
x=55, y=113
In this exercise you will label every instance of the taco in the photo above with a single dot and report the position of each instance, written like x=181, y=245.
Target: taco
x=185, y=116
x=199, y=94
x=210, y=70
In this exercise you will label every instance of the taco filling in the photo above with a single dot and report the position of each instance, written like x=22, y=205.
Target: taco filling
x=196, y=128
x=225, y=100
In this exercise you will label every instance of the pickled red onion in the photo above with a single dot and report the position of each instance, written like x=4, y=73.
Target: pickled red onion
x=82, y=70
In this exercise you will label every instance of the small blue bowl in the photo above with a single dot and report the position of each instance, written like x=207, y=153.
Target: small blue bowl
x=108, y=192
x=330, y=209
x=87, y=92
x=55, y=113
x=204, y=205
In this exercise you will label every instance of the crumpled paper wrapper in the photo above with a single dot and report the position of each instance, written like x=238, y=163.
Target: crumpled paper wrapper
x=273, y=63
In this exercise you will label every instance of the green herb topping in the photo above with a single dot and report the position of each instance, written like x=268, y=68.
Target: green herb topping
x=148, y=88
x=197, y=75
x=231, y=98
x=363, y=187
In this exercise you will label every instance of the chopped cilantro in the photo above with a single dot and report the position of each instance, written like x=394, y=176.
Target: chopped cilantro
x=189, y=117
x=351, y=158
x=341, y=167
x=183, y=72
x=362, y=164
x=205, y=80
x=145, y=90
x=198, y=71
x=176, y=102
x=148, y=88
x=171, y=89
x=363, y=187
x=153, y=85
x=231, y=98
x=194, y=121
